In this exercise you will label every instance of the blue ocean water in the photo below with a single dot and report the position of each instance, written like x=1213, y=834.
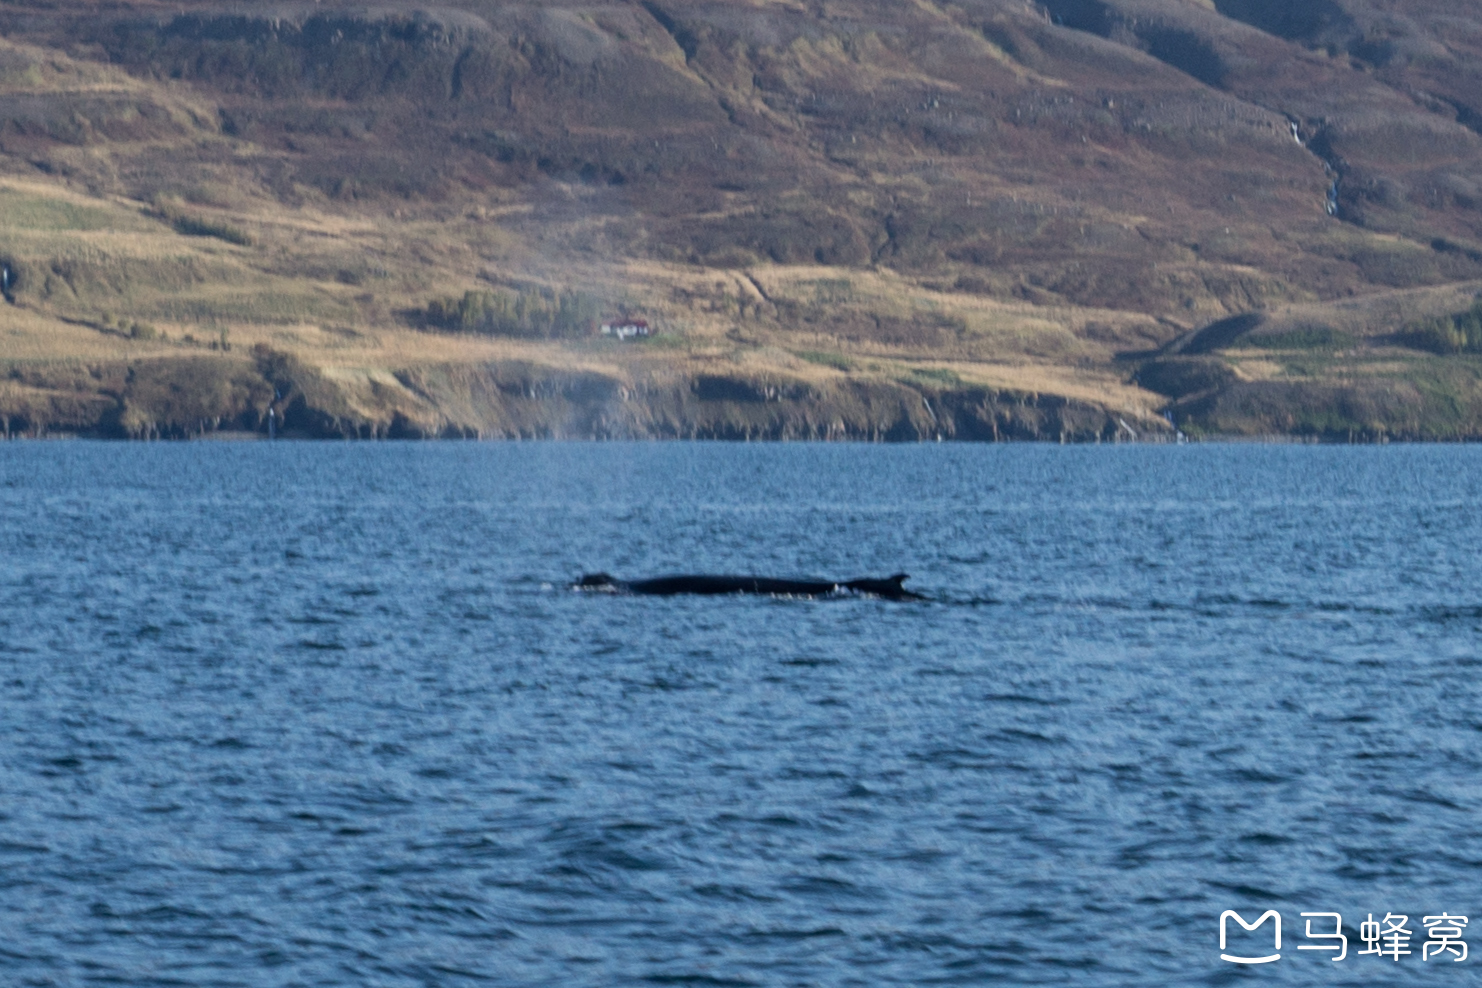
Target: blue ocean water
x=319, y=714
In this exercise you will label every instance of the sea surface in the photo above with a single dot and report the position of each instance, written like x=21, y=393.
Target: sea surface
x=292, y=714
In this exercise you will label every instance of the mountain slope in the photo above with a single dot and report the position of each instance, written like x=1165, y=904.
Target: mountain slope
x=1023, y=199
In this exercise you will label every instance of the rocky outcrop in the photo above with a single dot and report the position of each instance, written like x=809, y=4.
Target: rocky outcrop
x=1290, y=374
x=1180, y=377
x=1356, y=411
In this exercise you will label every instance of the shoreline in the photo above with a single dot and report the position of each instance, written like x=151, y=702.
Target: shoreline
x=226, y=397
x=237, y=436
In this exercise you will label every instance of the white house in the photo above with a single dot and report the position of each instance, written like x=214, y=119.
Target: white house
x=625, y=329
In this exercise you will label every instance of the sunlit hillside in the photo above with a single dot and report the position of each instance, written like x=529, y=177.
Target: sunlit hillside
x=987, y=219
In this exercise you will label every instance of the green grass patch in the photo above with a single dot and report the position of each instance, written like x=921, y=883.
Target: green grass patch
x=1458, y=333
x=827, y=291
x=661, y=341
x=936, y=375
x=270, y=306
x=23, y=211
x=1303, y=338
x=824, y=358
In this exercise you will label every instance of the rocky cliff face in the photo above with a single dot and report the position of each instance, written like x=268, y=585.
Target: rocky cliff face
x=190, y=397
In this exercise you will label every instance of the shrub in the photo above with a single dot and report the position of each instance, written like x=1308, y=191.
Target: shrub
x=1460, y=333
x=1303, y=338
x=191, y=225
x=195, y=226
x=541, y=314
x=937, y=375
x=835, y=360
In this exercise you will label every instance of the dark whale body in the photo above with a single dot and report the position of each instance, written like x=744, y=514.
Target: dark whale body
x=710, y=585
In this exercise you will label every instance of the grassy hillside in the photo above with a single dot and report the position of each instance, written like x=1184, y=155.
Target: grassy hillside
x=984, y=219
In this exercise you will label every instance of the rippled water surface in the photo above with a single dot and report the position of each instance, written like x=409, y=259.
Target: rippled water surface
x=292, y=714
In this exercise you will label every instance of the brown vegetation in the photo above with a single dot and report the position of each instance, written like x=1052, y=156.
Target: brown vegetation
x=873, y=205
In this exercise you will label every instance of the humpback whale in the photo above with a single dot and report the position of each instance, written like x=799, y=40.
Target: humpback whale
x=706, y=584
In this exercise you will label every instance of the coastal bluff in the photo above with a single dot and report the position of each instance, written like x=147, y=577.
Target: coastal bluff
x=220, y=395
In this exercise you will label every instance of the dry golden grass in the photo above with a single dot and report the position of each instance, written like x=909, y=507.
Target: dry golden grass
x=204, y=244
x=1380, y=313
x=331, y=288
x=359, y=343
